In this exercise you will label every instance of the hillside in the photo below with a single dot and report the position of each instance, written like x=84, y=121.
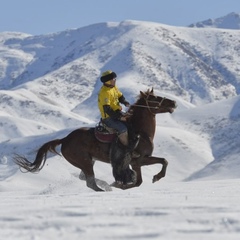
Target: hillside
x=49, y=85
x=196, y=64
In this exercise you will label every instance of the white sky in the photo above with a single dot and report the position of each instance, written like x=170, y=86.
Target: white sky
x=46, y=16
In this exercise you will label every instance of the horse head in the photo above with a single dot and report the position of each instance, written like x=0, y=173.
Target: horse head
x=155, y=104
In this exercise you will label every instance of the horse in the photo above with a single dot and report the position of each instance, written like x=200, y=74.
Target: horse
x=81, y=148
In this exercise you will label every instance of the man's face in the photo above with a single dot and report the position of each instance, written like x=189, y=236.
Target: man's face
x=113, y=82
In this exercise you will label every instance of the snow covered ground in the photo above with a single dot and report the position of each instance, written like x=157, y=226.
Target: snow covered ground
x=66, y=209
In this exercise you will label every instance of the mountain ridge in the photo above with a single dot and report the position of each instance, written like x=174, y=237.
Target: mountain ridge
x=137, y=54
x=229, y=21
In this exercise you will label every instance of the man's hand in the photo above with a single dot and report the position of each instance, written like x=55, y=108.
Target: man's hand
x=125, y=116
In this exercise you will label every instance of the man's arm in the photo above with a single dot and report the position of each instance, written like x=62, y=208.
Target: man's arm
x=124, y=101
x=113, y=114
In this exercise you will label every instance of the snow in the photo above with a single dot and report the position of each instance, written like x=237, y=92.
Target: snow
x=55, y=92
x=180, y=210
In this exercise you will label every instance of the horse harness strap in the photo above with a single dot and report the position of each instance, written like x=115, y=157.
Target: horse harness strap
x=149, y=107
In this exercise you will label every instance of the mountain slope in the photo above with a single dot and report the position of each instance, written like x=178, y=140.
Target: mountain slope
x=218, y=124
x=172, y=59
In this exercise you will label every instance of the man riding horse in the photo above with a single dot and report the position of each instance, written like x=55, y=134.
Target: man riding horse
x=109, y=99
x=81, y=146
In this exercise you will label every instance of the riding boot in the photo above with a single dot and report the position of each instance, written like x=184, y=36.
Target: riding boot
x=123, y=137
x=120, y=156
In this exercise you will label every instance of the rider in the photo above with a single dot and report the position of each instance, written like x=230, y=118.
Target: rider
x=109, y=99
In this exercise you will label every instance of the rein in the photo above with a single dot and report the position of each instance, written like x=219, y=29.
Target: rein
x=143, y=106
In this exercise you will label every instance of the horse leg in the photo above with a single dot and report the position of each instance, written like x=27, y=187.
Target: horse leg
x=138, y=171
x=137, y=182
x=86, y=166
x=88, y=172
x=147, y=160
x=82, y=174
x=101, y=183
x=150, y=160
x=91, y=183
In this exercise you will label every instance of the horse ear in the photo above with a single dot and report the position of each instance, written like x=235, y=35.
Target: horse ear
x=152, y=90
x=142, y=94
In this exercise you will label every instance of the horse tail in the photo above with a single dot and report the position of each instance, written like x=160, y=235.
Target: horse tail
x=40, y=159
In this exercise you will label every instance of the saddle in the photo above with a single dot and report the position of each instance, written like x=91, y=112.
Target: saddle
x=105, y=134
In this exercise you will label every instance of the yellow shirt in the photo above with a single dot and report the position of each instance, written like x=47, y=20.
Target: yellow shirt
x=109, y=96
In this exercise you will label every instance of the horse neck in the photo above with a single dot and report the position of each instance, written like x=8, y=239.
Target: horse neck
x=144, y=121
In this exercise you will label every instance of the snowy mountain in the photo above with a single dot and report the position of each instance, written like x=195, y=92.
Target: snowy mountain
x=230, y=21
x=49, y=83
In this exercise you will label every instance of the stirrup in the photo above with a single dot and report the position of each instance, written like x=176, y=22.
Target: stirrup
x=134, y=142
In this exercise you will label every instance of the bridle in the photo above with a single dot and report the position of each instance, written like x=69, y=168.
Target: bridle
x=150, y=107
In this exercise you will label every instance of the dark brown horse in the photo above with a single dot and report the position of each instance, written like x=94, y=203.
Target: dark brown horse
x=81, y=148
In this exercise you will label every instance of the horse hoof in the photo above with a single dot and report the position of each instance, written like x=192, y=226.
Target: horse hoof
x=122, y=186
x=155, y=179
x=116, y=184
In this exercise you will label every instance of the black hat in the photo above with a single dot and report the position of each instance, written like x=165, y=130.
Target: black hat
x=108, y=75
